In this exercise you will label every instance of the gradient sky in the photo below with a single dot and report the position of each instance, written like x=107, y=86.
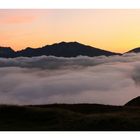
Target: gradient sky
x=114, y=30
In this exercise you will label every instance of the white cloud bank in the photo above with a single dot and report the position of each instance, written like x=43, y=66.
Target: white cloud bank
x=47, y=79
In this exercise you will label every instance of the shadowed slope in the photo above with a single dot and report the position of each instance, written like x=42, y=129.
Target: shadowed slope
x=134, y=102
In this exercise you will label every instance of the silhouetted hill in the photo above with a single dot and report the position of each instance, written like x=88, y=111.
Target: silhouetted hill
x=134, y=102
x=6, y=52
x=71, y=117
x=135, y=50
x=63, y=49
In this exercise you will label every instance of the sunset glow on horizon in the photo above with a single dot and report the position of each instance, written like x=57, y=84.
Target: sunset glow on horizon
x=113, y=30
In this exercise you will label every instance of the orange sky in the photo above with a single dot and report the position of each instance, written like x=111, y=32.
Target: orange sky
x=114, y=30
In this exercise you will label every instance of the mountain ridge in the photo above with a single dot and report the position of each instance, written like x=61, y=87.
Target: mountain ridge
x=62, y=49
x=135, y=50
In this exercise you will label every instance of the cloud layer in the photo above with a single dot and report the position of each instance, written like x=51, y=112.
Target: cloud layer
x=48, y=79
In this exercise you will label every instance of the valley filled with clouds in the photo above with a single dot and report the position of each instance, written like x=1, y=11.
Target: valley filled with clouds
x=110, y=80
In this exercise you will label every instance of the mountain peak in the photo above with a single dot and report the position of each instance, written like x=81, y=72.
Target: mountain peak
x=62, y=49
x=29, y=48
x=65, y=49
x=66, y=43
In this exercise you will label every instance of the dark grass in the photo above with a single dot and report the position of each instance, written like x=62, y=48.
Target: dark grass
x=69, y=117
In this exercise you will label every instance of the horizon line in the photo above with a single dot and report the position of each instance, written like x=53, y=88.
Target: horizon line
x=1, y=46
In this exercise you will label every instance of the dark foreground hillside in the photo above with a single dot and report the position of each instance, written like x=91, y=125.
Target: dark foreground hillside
x=63, y=117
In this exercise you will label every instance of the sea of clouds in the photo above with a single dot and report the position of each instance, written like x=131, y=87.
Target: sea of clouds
x=48, y=79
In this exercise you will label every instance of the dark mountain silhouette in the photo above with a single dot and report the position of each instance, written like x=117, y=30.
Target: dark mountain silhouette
x=63, y=49
x=6, y=52
x=134, y=102
x=135, y=50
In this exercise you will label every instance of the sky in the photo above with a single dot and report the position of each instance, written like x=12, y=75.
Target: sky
x=113, y=30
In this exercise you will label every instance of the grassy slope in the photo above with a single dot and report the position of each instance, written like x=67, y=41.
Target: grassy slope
x=69, y=117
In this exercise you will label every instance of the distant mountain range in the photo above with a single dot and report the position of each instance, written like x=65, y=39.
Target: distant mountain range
x=62, y=49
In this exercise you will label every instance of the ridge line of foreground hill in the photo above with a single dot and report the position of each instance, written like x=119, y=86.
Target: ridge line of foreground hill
x=71, y=117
